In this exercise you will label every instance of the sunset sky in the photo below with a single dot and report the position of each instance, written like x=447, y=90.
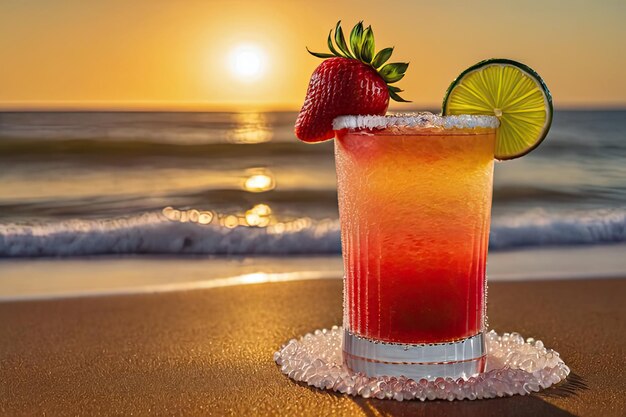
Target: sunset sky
x=251, y=54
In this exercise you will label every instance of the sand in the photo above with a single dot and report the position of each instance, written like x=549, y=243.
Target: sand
x=209, y=352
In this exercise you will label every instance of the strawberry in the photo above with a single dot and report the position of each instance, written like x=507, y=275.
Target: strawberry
x=351, y=81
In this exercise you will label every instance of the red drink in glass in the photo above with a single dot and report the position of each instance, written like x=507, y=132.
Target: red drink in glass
x=415, y=204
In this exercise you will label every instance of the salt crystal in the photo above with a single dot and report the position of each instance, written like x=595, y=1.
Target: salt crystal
x=420, y=120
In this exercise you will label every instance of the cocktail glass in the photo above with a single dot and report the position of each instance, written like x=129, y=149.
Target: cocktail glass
x=415, y=206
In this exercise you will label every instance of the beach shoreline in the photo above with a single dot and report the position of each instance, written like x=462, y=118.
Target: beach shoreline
x=50, y=278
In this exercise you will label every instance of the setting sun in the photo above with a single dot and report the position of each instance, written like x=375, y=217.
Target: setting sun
x=247, y=62
x=135, y=55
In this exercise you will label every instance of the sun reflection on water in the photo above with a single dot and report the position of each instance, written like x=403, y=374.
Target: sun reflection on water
x=259, y=181
x=230, y=221
x=289, y=226
x=184, y=216
x=259, y=216
x=250, y=128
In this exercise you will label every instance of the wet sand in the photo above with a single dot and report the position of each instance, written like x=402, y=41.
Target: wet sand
x=41, y=278
x=209, y=352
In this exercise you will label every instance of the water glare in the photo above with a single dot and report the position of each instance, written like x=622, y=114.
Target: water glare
x=185, y=216
x=260, y=182
x=251, y=128
x=231, y=221
x=260, y=215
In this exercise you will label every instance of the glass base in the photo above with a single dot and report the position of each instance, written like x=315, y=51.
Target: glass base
x=514, y=366
x=459, y=359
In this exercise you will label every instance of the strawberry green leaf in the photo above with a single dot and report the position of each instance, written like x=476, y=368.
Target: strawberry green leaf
x=381, y=57
x=320, y=54
x=367, y=49
x=356, y=38
x=392, y=73
x=394, y=96
x=362, y=48
x=341, y=41
x=331, y=46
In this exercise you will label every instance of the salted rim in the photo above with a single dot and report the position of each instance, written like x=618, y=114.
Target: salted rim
x=462, y=121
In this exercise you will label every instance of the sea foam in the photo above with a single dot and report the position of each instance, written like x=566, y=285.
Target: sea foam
x=153, y=233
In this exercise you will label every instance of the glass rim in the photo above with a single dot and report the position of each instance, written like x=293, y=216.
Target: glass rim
x=415, y=120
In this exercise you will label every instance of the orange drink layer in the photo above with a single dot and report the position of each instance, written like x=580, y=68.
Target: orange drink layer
x=415, y=208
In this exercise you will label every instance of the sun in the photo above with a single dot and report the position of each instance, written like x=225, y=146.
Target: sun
x=247, y=62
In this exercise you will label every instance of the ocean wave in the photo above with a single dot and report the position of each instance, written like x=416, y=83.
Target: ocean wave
x=133, y=148
x=152, y=233
x=542, y=228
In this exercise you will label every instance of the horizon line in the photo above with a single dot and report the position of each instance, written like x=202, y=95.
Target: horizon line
x=231, y=108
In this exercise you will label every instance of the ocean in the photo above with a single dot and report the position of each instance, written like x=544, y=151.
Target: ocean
x=110, y=183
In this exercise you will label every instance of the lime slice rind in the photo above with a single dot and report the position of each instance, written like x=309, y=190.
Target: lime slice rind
x=510, y=90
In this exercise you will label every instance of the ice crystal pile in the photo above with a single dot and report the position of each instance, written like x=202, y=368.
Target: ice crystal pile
x=514, y=366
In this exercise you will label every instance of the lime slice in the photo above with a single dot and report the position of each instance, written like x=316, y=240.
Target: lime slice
x=512, y=92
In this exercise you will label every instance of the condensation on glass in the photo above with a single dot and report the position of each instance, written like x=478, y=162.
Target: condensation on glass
x=415, y=208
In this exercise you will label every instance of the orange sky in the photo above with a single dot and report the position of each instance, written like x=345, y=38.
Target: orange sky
x=175, y=54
